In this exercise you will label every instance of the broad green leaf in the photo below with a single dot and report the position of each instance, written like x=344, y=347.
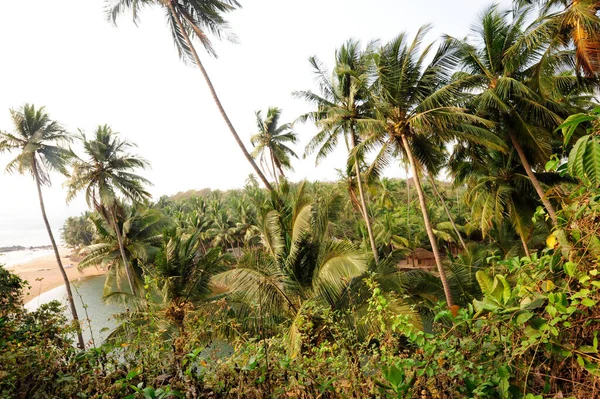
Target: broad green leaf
x=576, y=168
x=394, y=375
x=591, y=160
x=588, y=302
x=485, y=282
x=570, y=268
x=506, y=291
x=571, y=123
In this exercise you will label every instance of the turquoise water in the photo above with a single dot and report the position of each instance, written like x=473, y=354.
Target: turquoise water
x=99, y=313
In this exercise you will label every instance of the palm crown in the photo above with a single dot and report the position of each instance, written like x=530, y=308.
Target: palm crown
x=37, y=138
x=106, y=172
x=298, y=266
x=275, y=139
x=199, y=17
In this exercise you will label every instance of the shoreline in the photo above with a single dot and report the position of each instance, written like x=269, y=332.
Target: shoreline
x=43, y=274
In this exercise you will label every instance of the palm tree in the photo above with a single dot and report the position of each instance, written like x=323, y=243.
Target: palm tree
x=521, y=87
x=184, y=271
x=78, y=232
x=189, y=19
x=138, y=236
x=298, y=270
x=105, y=175
x=37, y=138
x=498, y=190
x=414, y=103
x=342, y=110
x=445, y=206
x=180, y=271
x=273, y=138
x=576, y=23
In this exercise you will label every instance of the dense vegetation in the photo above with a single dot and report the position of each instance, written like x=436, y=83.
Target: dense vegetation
x=487, y=286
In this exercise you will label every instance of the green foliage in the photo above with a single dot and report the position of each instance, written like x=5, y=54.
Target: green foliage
x=584, y=158
x=252, y=294
x=11, y=291
x=78, y=232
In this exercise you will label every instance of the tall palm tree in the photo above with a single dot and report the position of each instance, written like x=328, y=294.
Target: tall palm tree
x=188, y=20
x=273, y=138
x=342, y=110
x=577, y=23
x=520, y=86
x=106, y=174
x=414, y=103
x=37, y=140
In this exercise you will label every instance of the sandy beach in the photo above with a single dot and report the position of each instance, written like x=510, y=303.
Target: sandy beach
x=43, y=273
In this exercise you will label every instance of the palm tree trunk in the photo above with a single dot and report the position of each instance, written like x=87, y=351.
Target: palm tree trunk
x=216, y=98
x=428, y=228
x=533, y=179
x=407, y=203
x=80, y=343
x=437, y=193
x=274, y=170
x=363, y=202
x=525, y=246
x=408, y=211
x=113, y=213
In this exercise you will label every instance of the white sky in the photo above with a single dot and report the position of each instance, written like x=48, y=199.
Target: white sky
x=64, y=54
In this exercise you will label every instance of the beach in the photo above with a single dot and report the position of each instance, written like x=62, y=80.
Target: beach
x=43, y=273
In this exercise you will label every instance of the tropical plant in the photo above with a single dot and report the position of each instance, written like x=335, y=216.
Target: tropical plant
x=584, y=158
x=570, y=22
x=140, y=231
x=78, y=232
x=343, y=111
x=38, y=141
x=415, y=105
x=188, y=20
x=298, y=272
x=184, y=272
x=106, y=174
x=448, y=214
x=274, y=139
x=521, y=87
x=498, y=189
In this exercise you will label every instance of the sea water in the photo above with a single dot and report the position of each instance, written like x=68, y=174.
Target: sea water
x=13, y=259
x=86, y=292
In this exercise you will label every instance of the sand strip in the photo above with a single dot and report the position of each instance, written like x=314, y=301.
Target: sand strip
x=43, y=273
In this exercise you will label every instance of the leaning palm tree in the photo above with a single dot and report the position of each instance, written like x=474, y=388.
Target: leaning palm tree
x=569, y=22
x=106, y=175
x=343, y=112
x=521, y=86
x=273, y=138
x=37, y=138
x=414, y=103
x=188, y=20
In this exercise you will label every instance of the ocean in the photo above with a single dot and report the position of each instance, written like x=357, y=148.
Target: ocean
x=29, y=238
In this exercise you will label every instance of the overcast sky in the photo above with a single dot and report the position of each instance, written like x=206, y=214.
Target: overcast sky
x=63, y=54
